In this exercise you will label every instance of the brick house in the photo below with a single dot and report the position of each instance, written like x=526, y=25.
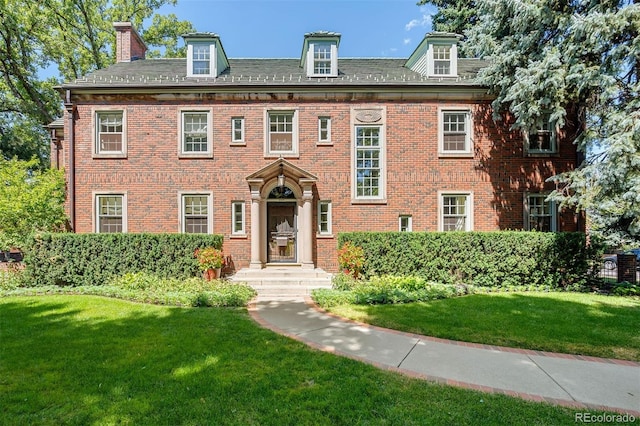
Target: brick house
x=280, y=155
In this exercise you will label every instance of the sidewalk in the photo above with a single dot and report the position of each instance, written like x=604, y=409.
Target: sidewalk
x=576, y=381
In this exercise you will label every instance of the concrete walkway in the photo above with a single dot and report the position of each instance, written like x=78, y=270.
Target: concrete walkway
x=576, y=381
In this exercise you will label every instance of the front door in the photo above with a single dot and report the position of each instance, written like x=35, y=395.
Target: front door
x=281, y=228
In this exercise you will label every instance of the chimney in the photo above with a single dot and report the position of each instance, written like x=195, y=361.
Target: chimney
x=129, y=44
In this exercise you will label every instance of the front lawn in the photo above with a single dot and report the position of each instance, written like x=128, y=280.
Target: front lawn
x=88, y=360
x=575, y=323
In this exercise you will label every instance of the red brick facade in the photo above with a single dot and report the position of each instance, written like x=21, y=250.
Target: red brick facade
x=498, y=172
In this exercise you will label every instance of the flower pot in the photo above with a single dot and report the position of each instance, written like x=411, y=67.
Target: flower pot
x=211, y=274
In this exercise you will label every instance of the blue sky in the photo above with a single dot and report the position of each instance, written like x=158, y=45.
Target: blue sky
x=275, y=28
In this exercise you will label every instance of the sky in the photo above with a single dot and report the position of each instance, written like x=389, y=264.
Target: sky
x=276, y=28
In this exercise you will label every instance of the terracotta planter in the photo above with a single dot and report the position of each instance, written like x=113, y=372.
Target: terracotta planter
x=211, y=274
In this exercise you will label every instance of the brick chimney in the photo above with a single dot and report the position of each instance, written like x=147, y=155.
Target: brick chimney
x=129, y=44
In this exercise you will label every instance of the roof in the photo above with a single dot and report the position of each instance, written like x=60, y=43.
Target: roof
x=168, y=73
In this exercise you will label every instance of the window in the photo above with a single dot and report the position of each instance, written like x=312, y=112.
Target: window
x=324, y=130
x=368, y=167
x=195, y=213
x=441, y=60
x=455, y=133
x=110, y=213
x=540, y=214
x=196, y=133
x=456, y=212
x=110, y=132
x=324, y=217
x=322, y=58
x=405, y=223
x=282, y=133
x=237, y=218
x=543, y=139
x=237, y=130
x=201, y=59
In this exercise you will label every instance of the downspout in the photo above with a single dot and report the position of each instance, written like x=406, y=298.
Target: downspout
x=71, y=112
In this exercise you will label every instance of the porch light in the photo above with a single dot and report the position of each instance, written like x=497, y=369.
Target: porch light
x=281, y=180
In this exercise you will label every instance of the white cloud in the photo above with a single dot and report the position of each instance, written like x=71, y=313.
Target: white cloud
x=422, y=22
x=406, y=41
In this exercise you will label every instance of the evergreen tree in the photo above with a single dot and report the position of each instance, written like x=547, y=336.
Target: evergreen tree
x=547, y=56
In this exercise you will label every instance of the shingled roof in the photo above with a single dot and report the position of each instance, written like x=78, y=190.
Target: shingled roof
x=168, y=73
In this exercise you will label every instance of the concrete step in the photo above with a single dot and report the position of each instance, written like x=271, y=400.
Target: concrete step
x=283, y=281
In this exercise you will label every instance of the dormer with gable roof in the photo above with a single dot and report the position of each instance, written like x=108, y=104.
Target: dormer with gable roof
x=320, y=54
x=436, y=56
x=205, y=55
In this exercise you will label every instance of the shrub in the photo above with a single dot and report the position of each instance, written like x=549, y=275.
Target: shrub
x=12, y=278
x=209, y=258
x=351, y=258
x=342, y=281
x=94, y=259
x=484, y=259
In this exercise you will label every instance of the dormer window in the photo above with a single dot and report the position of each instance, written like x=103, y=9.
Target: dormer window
x=205, y=55
x=320, y=54
x=436, y=56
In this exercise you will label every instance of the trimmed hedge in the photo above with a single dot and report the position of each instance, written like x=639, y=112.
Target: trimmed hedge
x=485, y=259
x=94, y=259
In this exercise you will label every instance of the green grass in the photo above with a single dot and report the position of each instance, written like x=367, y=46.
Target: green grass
x=88, y=360
x=575, y=323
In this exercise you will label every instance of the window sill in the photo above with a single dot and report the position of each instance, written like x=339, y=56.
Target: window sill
x=282, y=154
x=324, y=236
x=121, y=155
x=196, y=156
x=237, y=144
x=541, y=154
x=324, y=143
x=368, y=201
x=455, y=154
x=238, y=236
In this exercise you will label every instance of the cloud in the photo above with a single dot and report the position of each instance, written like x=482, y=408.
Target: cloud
x=422, y=22
x=406, y=41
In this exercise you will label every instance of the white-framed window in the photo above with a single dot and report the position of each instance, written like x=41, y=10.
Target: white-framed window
x=322, y=59
x=324, y=130
x=196, y=134
x=282, y=132
x=196, y=213
x=543, y=139
x=110, y=132
x=405, y=223
x=237, y=218
x=110, y=213
x=324, y=217
x=441, y=59
x=237, y=130
x=200, y=55
x=455, y=211
x=454, y=134
x=369, y=162
x=540, y=214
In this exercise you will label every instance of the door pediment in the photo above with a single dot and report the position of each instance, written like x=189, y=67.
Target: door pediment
x=291, y=171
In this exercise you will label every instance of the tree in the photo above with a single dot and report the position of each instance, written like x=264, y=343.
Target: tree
x=453, y=16
x=546, y=56
x=31, y=200
x=74, y=36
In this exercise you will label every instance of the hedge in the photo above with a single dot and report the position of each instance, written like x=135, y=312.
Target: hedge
x=485, y=259
x=93, y=259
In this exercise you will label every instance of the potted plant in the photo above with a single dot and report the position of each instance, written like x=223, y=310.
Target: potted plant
x=210, y=260
x=351, y=259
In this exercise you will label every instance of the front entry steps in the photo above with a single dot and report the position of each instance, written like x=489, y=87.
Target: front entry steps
x=283, y=281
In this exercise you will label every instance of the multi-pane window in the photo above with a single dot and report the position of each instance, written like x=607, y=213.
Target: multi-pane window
x=455, y=134
x=441, y=60
x=324, y=217
x=324, y=129
x=195, y=132
x=110, y=132
x=368, y=162
x=109, y=213
x=237, y=218
x=542, y=139
x=195, y=212
x=237, y=129
x=455, y=212
x=201, y=59
x=405, y=223
x=281, y=131
x=322, y=58
x=541, y=213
